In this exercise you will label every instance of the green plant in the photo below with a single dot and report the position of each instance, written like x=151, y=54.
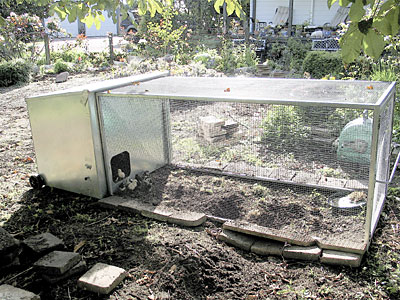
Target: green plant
x=14, y=72
x=321, y=63
x=283, y=126
x=61, y=66
x=297, y=52
x=385, y=72
x=232, y=57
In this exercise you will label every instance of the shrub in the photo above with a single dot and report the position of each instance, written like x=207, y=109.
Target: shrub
x=61, y=66
x=14, y=72
x=297, y=53
x=283, y=126
x=321, y=63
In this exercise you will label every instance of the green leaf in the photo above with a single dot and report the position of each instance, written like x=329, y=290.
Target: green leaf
x=218, y=4
x=351, y=44
x=61, y=13
x=89, y=20
x=388, y=24
x=2, y=21
x=72, y=15
x=344, y=2
x=142, y=6
x=330, y=3
x=357, y=11
x=373, y=44
x=230, y=7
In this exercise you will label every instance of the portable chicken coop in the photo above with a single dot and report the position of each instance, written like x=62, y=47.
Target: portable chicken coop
x=314, y=154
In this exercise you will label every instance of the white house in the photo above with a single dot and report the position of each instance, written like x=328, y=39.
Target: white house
x=76, y=27
x=314, y=12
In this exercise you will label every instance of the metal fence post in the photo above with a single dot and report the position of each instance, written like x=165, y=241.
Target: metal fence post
x=110, y=45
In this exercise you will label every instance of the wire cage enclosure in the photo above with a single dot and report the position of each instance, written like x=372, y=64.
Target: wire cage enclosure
x=317, y=151
x=309, y=157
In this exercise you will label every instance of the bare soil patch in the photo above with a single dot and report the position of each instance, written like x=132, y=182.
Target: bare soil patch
x=165, y=261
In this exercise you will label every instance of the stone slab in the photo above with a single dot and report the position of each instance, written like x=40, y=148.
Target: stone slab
x=43, y=243
x=189, y=219
x=8, y=292
x=269, y=233
x=57, y=262
x=80, y=267
x=242, y=241
x=340, y=258
x=102, y=278
x=135, y=206
x=111, y=202
x=7, y=242
x=157, y=214
x=267, y=247
x=311, y=253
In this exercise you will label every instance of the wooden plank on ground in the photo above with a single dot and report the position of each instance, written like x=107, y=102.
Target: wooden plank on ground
x=269, y=233
x=357, y=184
x=344, y=245
x=305, y=177
x=332, y=182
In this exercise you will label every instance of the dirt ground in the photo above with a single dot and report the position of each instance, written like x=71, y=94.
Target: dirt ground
x=165, y=261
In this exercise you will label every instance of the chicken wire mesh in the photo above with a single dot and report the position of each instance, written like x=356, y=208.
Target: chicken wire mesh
x=299, y=162
x=279, y=144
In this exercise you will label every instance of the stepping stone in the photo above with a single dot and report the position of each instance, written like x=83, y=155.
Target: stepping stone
x=102, y=278
x=267, y=247
x=189, y=219
x=57, y=262
x=302, y=253
x=43, y=243
x=8, y=292
x=111, y=202
x=242, y=241
x=7, y=242
x=340, y=258
x=78, y=268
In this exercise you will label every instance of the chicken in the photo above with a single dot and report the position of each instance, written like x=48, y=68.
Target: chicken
x=132, y=185
x=121, y=174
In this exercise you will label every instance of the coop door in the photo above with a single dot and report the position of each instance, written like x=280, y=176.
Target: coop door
x=134, y=136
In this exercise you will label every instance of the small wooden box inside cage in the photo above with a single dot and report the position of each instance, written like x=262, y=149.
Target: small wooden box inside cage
x=305, y=162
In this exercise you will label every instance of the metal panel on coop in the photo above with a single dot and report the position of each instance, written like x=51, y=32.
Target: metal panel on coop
x=303, y=157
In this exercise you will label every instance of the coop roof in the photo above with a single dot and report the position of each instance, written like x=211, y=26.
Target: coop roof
x=264, y=90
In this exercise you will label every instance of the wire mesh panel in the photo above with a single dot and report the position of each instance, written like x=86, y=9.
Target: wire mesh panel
x=133, y=132
x=292, y=156
x=279, y=143
x=383, y=161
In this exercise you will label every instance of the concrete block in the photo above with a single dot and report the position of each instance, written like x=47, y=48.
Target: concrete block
x=189, y=219
x=267, y=247
x=157, y=214
x=135, y=206
x=80, y=267
x=311, y=253
x=7, y=242
x=8, y=292
x=340, y=258
x=57, y=262
x=236, y=239
x=111, y=202
x=62, y=77
x=43, y=243
x=102, y=278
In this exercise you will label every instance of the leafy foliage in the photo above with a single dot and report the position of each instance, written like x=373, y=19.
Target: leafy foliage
x=14, y=72
x=321, y=63
x=284, y=124
x=371, y=22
